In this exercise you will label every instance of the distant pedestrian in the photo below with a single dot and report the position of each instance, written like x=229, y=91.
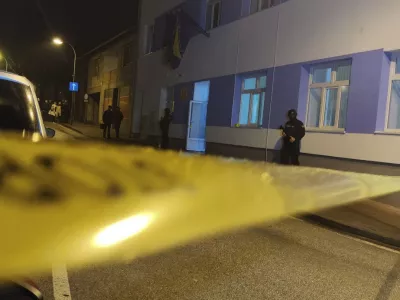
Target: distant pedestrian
x=52, y=111
x=164, y=127
x=292, y=133
x=107, y=121
x=118, y=117
x=58, y=112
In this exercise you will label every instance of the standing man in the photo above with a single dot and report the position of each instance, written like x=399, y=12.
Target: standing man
x=58, y=112
x=164, y=127
x=118, y=117
x=292, y=134
x=107, y=121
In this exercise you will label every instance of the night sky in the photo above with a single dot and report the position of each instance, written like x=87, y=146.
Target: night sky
x=27, y=28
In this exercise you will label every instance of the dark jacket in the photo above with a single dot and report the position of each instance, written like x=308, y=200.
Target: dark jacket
x=118, y=117
x=164, y=124
x=294, y=129
x=108, y=117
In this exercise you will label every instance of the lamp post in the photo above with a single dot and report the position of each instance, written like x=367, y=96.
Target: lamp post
x=2, y=57
x=59, y=42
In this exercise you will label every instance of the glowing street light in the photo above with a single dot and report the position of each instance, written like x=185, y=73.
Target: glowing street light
x=59, y=42
x=2, y=57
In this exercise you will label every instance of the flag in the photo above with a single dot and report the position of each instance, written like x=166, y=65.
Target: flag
x=177, y=41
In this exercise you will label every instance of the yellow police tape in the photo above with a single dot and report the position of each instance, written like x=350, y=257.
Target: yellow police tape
x=86, y=203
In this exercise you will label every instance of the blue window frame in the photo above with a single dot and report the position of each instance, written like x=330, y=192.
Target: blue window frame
x=252, y=100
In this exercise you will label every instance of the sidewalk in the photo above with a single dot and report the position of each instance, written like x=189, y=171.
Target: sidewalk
x=94, y=132
x=377, y=220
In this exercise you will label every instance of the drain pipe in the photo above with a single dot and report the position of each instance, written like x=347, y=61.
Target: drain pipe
x=273, y=86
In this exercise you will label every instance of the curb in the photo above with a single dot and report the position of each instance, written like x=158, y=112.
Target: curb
x=71, y=128
x=352, y=231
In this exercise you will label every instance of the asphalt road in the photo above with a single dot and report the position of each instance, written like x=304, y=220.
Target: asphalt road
x=289, y=260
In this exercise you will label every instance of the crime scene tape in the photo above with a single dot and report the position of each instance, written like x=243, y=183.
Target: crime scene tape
x=85, y=203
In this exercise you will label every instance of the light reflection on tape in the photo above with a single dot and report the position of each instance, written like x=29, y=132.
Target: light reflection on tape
x=122, y=230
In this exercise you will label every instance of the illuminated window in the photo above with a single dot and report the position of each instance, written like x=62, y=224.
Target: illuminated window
x=329, y=95
x=213, y=14
x=252, y=100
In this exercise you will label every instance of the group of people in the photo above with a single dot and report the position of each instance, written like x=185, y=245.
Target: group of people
x=112, y=118
x=55, y=111
x=292, y=132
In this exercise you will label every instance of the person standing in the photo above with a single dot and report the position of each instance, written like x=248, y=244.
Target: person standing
x=164, y=127
x=58, y=112
x=107, y=121
x=52, y=111
x=118, y=117
x=292, y=133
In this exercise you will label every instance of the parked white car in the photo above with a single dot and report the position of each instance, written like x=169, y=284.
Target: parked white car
x=19, y=108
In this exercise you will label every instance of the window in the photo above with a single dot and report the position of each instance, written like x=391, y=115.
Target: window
x=258, y=5
x=329, y=95
x=213, y=14
x=108, y=99
x=393, y=114
x=127, y=56
x=97, y=67
x=149, y=38
x=124, y=101
x=252, y=100
x=17, y=108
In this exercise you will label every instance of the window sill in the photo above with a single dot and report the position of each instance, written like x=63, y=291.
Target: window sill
x=387, y=132
x=326, y=130
x=246, y=127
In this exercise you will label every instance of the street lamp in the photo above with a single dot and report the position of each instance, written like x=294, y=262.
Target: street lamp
x=2, y=57
x=59, y=42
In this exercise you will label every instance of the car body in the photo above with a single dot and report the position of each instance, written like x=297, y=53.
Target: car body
x=20, y=290
x=19, y=107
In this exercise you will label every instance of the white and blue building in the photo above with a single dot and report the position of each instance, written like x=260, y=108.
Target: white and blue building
x=336, y=61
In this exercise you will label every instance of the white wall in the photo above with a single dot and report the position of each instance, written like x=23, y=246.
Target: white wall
x=369, y=147
x=308, y=30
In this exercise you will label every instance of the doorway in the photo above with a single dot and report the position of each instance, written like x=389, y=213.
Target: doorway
x=196, y=133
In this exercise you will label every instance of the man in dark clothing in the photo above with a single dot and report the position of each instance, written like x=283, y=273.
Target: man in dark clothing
x=118, y=117
x=292, y=132
x=107, y=121
x=164, y=126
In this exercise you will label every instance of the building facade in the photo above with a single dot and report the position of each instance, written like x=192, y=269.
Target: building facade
x=335, y=61
x=111, y=75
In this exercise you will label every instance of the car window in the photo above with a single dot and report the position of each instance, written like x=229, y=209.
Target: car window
x=17, y=107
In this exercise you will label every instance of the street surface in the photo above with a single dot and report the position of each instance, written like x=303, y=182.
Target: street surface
x=288, y=260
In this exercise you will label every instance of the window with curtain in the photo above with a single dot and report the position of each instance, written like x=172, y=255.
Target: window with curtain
x=213, y=14
x=393, y=117
x=329, y=95
x=252, y=100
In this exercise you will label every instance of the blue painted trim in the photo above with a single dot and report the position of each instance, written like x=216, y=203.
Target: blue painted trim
x=369, y=80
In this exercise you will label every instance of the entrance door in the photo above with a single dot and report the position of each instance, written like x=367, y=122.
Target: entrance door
x=196, y=134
